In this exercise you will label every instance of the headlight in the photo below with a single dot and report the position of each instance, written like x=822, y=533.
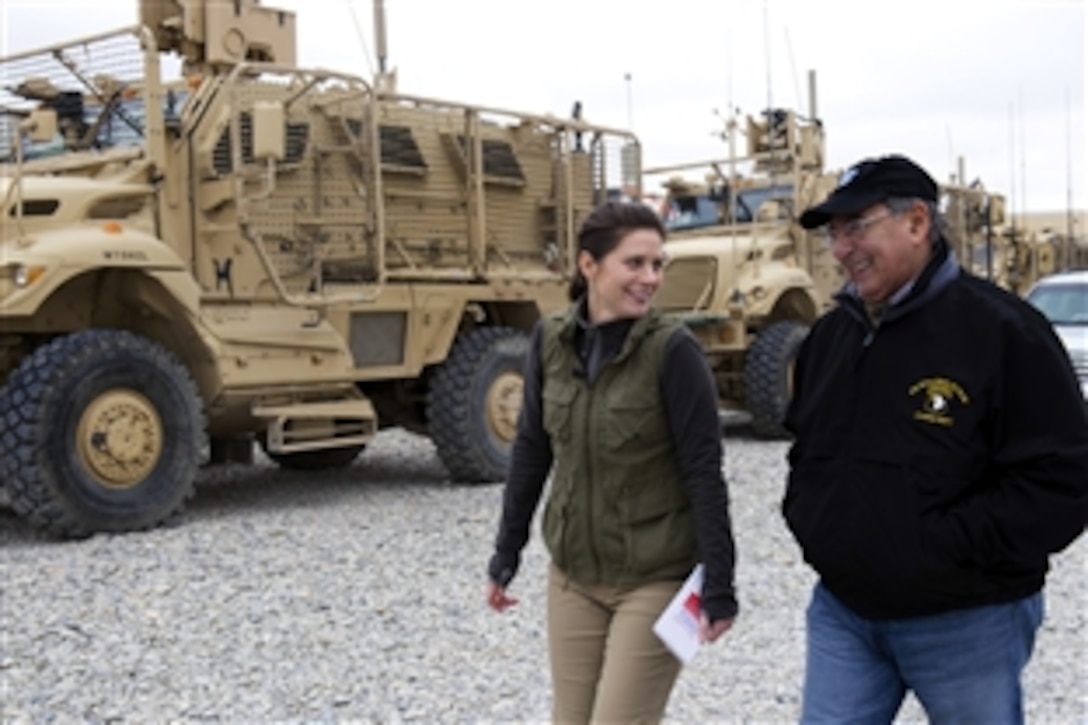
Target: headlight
x=25, y=275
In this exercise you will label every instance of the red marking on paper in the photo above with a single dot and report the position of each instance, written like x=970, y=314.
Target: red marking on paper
x=693, y=604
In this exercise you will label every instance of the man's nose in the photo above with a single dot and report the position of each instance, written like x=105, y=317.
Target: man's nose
x=841, y=245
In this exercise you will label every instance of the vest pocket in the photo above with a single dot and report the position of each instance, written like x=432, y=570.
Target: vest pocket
x=632, y=422
x=558, y=401
x=557, y=529
x=658, y=531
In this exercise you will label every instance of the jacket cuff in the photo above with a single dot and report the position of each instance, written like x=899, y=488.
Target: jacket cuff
x=502, y=568
x=721, y=607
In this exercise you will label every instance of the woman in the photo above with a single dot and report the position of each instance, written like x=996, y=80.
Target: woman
x=620, y=401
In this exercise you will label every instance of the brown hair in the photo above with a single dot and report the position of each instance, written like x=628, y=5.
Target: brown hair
x=604, y=228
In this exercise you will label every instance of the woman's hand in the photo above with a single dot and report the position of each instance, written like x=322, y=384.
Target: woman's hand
x=497, y=598
x=710, y=631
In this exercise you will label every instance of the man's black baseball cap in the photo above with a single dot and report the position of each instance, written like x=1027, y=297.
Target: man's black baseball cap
x=869, y=182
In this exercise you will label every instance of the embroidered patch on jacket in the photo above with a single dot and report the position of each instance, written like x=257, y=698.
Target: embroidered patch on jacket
x=939, y=395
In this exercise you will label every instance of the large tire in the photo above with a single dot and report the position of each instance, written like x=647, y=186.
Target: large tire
x=474, y=401
x=100, y=430
x=768, y=376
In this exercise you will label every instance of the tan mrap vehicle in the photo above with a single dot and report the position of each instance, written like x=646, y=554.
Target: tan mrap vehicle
x=750, y=281
x=743, y=275
x=1012, y=252
x=293, y=256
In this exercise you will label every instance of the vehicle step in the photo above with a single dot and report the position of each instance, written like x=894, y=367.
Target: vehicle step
x=318, y=425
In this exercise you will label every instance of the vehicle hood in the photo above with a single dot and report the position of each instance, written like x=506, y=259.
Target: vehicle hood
x=714, y=244
x=1075, y=339
x=39, y=186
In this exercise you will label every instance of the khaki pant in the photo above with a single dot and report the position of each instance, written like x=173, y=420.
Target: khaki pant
x=607, y=664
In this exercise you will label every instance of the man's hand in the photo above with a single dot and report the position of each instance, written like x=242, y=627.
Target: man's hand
x=497, y=599
x=710, y=631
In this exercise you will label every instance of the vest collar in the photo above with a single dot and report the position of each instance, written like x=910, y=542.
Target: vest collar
x=576, y=318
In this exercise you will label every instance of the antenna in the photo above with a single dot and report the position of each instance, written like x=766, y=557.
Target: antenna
x=630, y=112
x=793, y=67
x=1012, y=167
x=731, y=137
x=767, y=53
x=1023, y=160
x=379, y=34
x=729, y=110
x=769, y=113
x=362, y=38
x=731, y=133
x=1033, y=264
x=952, y=154
x=1068, y=183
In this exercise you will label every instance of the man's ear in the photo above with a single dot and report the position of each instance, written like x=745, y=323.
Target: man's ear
x=920, y=222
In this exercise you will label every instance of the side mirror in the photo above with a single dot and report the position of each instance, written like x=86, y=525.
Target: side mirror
x=757, y=136
x=996, y=207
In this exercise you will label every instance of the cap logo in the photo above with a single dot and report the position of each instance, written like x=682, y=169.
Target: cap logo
x=848, y=176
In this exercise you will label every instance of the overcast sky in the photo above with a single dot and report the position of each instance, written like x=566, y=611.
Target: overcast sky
x=1001, y=84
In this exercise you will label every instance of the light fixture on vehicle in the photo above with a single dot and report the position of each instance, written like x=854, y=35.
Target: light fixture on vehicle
x=24, y=275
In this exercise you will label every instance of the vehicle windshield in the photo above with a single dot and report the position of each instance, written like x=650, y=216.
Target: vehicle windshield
x=118, y=126
x=691, y=212
x=1063, y=303
x=706, y=210
x=95, y=88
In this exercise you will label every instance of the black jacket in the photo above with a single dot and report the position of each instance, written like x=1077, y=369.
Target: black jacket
x=691, y=408
x=940, y=457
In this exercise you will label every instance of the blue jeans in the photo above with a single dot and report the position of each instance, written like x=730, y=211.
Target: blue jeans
x=963, y=666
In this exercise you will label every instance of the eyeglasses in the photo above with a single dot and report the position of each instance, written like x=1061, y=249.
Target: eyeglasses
x=854, y=228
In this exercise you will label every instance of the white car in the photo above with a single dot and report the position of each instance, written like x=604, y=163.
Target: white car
x=1063, y=298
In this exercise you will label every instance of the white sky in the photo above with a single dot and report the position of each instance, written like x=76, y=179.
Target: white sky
x=999, y=83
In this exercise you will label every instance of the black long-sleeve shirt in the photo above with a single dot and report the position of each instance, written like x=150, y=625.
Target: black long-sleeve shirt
x=690, y=396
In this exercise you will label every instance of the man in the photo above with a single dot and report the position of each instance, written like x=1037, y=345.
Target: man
x=940, y=457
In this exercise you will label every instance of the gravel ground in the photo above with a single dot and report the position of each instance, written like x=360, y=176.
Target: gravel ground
x=358, y=596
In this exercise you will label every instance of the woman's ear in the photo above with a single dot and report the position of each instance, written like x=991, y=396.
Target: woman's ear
x=586, y=264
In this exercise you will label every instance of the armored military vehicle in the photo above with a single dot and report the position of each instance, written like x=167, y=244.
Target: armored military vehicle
x=254, y=251
x=990, y=244
x=744, y=276
x=748, y=279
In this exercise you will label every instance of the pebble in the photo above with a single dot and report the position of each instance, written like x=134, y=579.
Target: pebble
x=357, y=596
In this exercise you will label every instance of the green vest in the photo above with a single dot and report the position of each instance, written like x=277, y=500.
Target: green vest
x=618, y=512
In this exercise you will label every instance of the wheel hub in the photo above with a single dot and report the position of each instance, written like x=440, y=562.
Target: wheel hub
x=504, y=405
x=119, y=438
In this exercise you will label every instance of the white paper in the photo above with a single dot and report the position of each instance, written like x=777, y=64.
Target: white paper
x=678, y=625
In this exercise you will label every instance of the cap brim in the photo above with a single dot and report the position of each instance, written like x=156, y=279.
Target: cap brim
x=841, y=203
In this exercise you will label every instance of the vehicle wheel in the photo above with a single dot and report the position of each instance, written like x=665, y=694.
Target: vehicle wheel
x=474, y=401
x=768, y=376
x=102, y=431
x=324, y=459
